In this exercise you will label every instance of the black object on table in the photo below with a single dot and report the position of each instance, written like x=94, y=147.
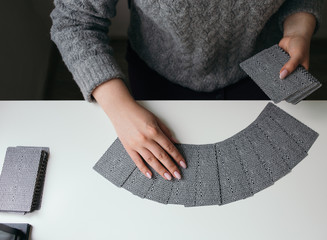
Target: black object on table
x=13, y=231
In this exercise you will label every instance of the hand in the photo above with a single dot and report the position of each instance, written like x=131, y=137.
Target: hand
x=298, y=30
x=298, y=47
x=142, y=134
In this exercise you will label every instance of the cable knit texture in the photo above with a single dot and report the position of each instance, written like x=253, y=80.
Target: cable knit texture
x=195, y=43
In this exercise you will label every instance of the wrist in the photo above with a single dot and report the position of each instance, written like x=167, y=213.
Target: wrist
x=299, y=24
x=113, y=97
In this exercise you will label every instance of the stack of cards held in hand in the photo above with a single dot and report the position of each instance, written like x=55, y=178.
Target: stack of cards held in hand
x=22, y=178
x=264, y=69
x=223, y=172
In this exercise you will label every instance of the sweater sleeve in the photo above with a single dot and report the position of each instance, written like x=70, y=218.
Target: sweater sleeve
x=80, y=31
x=293, y=6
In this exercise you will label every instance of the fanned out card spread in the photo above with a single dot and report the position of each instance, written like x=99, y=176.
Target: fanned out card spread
x=22, y=178
x=223, y=172
x=264, y=69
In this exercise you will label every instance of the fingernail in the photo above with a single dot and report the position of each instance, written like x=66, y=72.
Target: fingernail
x=167, y=176
x=148, y=175
x=283, y=74
x=177, y=175
x=182, y=164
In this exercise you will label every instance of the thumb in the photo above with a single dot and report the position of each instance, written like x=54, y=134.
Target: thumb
x=289, y=67
x=166, y=131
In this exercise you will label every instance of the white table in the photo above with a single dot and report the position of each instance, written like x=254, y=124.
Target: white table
x=78, y=203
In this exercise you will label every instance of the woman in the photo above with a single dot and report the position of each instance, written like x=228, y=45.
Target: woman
x=190, y=49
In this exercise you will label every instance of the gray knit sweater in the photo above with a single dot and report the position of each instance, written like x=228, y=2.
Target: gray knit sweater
x=195, y=43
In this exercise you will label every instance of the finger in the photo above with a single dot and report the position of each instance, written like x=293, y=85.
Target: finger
x=166, y=131
x=284, y=42
x=305, y=64
x=140, y=163
x=170, y=148
x=164, y=158
x=289, y=67
x=154, y=163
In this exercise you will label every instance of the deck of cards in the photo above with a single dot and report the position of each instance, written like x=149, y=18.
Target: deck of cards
x=22, y=178
x=264, y=69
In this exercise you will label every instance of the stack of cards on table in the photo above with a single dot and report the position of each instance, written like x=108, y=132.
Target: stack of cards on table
x=264, y=69
x=22, y=178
